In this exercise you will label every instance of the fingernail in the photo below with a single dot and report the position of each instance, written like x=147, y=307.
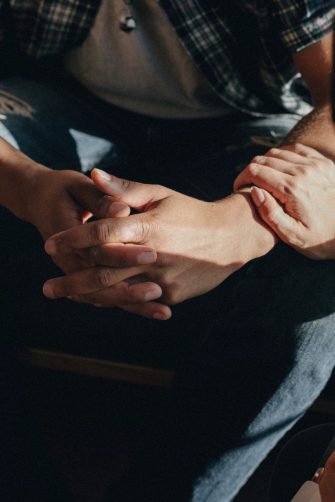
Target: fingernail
x=50, y=247
x=258, y=196
x=48, y=291
x=103, y=174
x=152, y=294
x=146, y=257
x=110, y=179
x=159, y=316
x=114, y=185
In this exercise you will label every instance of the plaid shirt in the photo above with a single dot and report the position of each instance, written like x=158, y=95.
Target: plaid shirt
x=243, y=47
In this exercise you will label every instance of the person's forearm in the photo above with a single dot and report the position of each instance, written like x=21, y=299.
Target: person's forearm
x=316, y=130
x=253, y=238
x=17, y=174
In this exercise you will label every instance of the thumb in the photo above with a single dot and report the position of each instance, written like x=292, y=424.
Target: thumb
x=136, y=195
x=272, y=213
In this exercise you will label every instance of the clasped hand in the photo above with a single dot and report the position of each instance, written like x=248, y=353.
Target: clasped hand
x=197, y=243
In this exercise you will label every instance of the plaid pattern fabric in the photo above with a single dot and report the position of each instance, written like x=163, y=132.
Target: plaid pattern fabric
x=243, y=47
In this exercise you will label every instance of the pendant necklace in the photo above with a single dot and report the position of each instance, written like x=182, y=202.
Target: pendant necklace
x=127, y=21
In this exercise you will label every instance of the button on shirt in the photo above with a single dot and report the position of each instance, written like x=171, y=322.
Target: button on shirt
x=243, y=47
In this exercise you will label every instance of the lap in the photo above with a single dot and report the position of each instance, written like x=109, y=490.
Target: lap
x=66, y=127
x=258, y=349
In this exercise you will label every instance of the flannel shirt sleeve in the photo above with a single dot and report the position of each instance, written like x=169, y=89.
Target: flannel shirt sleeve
x=302, y=22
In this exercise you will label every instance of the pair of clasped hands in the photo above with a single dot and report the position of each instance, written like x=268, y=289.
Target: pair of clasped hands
x=173, y=247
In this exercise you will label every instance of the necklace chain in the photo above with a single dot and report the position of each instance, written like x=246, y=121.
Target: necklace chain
x=127, y=21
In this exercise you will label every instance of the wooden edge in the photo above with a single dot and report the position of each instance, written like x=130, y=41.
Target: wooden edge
x=98, y=368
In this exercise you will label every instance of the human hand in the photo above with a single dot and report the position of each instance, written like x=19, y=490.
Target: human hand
x=56, y=200
x=295, y=195
x=64, y=199
x=199, y=244
x=59, y=200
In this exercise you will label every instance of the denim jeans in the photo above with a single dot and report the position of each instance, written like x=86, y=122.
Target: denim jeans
x=251, y=356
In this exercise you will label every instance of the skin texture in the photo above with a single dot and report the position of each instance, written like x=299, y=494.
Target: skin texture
x=295, y=196
x=177, y=226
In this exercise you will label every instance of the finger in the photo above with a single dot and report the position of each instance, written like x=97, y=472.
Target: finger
x=271, y=212
x=68, y=263
x=113, y=255
x=86, y=281
x=137, y=195
x=108, y=207
x=151, y=310
x=133, y=229
x=278, y=164
x=303, y=150
x=119, y=255
x=264, y=177
x=122, y=293
x=298, y=150
x=86, y=193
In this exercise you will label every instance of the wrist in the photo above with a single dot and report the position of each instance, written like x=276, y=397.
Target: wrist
x=31, y=191
x=252, y=237
x=19, y=177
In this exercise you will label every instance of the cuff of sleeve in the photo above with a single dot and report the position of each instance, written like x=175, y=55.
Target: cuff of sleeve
x=308, y=32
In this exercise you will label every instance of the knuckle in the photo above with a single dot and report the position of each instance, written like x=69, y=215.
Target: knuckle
x=102, y=231
x=303, y=170
x=292, y=238
x=253, y=169
x=272, y=216
x=93, y=255
x=142, y=230
x=289, y=186
x=125, y=184
x=297, y=241
x=258, y=159
x=299, y=149
x=273, y=152
x=104, y=277
x=164, y=260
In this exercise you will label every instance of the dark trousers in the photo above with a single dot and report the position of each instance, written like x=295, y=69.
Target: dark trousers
x=251, y=356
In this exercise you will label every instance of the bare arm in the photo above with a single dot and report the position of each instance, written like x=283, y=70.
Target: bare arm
x=315, y=63
x=295, y=184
